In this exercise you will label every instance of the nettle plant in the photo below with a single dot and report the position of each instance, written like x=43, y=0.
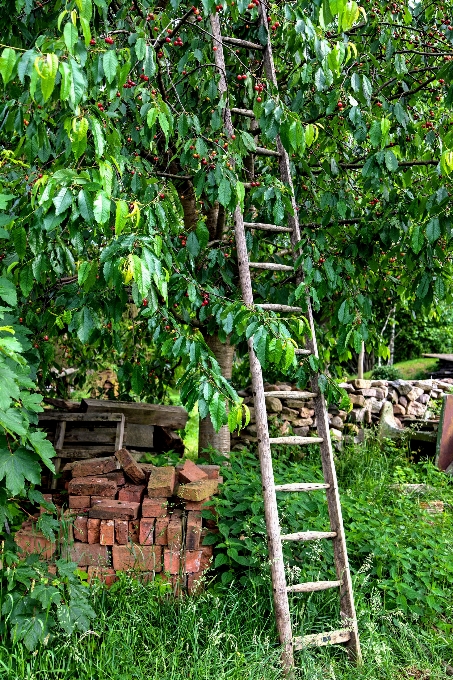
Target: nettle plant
x=118, y=181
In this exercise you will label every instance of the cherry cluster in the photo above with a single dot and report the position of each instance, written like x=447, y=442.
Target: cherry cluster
x=205, y=302
x=182, y=238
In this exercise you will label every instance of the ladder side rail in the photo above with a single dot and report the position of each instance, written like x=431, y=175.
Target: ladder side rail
x=280, y=594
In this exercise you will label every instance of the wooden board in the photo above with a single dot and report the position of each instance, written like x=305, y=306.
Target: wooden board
x=174, y=417
x=67, y=416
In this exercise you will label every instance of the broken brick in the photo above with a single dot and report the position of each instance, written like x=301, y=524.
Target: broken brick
x=134, y=531
x=160, y=531
x=146, y=535
x=94, y=528
x=192, y=561
x=174, y=531
x=191, y=473
x=193, y=531
x=117, y=476
x=112, y=509
x=132, y=492
x=94, y=467
x=172, y=561
x=198, y=505
x=198, y=491
x=32, y=541
x=154, y=507
x=107, y=532
x=92, y=486
x=81, y=529
x=162, y=482
x=137, y=557
x=79, y=502
x=121, y=531
x=89, y=555
x=130, y=467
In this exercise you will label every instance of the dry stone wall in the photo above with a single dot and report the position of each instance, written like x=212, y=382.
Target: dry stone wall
x=410, y=399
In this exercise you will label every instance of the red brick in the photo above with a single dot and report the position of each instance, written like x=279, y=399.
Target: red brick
x=198, y=491
x=146, y=535
x=193, y=530
x=117, y=476
x=94, y=467
x=132, y=492
x=195, y=582
x=162, y=482
x=154, y=507
x=121, y=531
x=81, y=529
x=106, y=575
x=107, y=532
x=94, y=528
x=206, y=557
x=174, y=532
x=32, y=541
x=86, y=555
x=92, y=486
x=98, y=499
x=191, y=473
x=192, y=561
x=134, y=531
x=137, y=557
x=130, y=467
x=112, y=509
x=172, y=561
x=198, y=505
x=160, y=530
x=211, y=470
x=79, y=502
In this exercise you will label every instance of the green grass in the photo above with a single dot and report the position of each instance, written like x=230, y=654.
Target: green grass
x=414, y=369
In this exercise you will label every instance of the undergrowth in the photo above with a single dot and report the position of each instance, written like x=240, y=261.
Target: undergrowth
x=401, y=562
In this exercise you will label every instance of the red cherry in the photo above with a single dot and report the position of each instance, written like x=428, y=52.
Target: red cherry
x=109, y=40
x=258, y=99
x=161, y=195
x=92, y=41
x=145, y=302
x=46, y=337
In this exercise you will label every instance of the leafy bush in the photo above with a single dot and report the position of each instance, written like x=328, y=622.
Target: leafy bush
x=36, y=604
x=386, y=373
x=410, y=552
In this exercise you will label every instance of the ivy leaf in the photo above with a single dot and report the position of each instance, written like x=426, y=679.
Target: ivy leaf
x=110, y=63
x=18, y=466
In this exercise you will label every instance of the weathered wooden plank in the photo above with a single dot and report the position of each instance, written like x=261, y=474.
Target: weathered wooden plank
x=313, y=586
x=335, y=637
x=306, y=486
x=139, y=436
x=139, y=413
x=309, y=535
x=295, y=441
x=85, y=452
x=69, y=417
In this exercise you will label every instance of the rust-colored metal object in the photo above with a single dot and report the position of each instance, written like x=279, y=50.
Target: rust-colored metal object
x=444, y=446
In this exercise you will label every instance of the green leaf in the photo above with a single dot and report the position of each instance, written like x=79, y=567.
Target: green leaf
x=367, y=89
x=47, y=68
x=17, y=467
x=122, y=211
x=19, y=237
x=26, y=280
x=8, y=61
x=375, y=133
x=8, y=291
x=423, y=286
x=391, y=161
x=417, y=239
x=101, y=207
x=78, y=86
x=433, y=230
x=110, y=63
x=85, y=204
x=83, y=273
x=192, y=244
x=43, y=448
x=217, y=411
x=224, y=194
x=66, y=81
x=70, y=36
x=62, y=201
x=4, y=200
x=149, y=63
x=202, y=233
x=98, y=137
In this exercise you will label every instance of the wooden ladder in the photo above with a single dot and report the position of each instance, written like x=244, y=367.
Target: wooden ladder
x=349, y=633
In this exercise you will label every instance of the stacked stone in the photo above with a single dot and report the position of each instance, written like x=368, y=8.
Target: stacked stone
x=409, y=399
x=127, y=516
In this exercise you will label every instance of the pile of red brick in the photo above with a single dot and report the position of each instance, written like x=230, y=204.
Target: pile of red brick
x=127, y=516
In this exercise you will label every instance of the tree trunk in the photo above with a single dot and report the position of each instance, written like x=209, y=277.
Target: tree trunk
x=207, y=436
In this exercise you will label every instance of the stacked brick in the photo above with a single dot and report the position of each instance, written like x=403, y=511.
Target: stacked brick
x=138, y=518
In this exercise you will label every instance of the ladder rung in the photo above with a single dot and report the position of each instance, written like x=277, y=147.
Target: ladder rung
x=272, y=266
x=266, y=227
x=280, y=308
x=306, y=486
x=248, y=113
x=308, y=535
x=335, y=637
x=302, y=351
x=261, y=151
x=301, y=441
x=313, y=586
x=242, y=43
x=291, y=395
